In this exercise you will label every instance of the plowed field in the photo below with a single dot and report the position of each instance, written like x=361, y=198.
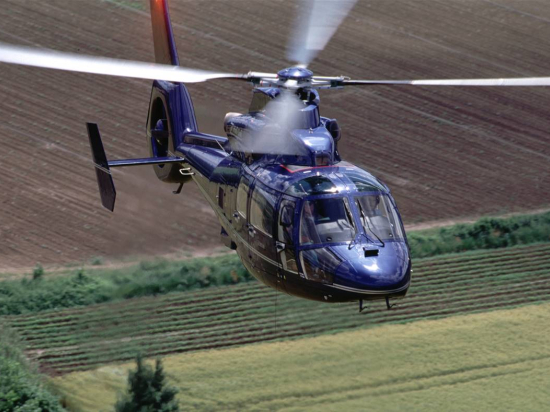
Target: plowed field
x=446, y=153
x=83, y=338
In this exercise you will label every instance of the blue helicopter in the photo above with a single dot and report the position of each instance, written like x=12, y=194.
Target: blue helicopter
x=301, y=219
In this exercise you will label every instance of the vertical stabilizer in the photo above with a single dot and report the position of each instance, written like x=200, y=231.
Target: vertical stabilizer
x=171, y=112
x=163, y=36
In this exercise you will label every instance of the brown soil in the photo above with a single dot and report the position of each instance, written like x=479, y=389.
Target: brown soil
x=447, y=154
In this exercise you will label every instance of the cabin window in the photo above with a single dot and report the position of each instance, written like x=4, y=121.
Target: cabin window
x=220, y=197
x=242, y=197
x=286, y=230
x=262, y=208
x=286, y=222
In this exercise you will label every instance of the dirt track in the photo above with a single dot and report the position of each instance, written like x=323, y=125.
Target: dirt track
x=446, y=153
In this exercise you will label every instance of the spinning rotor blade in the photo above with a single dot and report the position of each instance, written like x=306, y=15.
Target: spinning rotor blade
x=112, y=67
x=315, y=25
x=281, y=116
x=521, y=81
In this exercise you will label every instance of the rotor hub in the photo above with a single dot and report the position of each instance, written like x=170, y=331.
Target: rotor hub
x=300, y=74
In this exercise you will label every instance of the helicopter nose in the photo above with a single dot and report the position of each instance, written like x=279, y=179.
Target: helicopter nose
x=383, y=268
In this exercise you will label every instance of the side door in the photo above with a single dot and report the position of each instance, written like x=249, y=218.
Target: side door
x=261, y=229
x=287, y=234
x=239, y=216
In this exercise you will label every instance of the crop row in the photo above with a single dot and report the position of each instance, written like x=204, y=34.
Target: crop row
x=205, y=326
x=233, y=315
x=170, y=344
x=425, y=270
x=422, y=284
x=189, y=314
x=261, y=307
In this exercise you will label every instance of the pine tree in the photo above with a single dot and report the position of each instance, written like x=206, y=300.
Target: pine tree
x=147, y=391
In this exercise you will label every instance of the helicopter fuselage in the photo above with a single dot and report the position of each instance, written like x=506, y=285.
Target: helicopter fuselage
x=301, y=220
x=303, y=229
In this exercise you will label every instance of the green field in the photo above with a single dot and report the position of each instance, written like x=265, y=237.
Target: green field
x=218, y=317
x=482, y=362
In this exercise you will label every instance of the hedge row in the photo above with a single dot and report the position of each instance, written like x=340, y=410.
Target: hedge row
x=146, y=279
x=487, y=233
x=21, y=387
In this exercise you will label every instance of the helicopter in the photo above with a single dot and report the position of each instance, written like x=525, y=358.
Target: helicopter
x=301, y=219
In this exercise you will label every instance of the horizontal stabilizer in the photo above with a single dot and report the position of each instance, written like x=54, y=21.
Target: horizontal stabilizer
x=145, y=161
x=102, y=166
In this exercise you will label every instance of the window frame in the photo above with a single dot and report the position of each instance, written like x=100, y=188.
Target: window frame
x=349, y=215
x=244, y=187
x=258, y=190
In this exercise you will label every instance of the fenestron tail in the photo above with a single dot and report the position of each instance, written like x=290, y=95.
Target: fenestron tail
x=163, y=37
x=171, y=113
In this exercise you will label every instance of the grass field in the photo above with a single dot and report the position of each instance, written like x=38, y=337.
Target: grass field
x=83, y=338
x=489, y=361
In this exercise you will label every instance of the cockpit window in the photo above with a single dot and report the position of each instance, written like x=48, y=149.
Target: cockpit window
x=379, y=217
x=326, y=221
x=363, y=182
x=313, y=185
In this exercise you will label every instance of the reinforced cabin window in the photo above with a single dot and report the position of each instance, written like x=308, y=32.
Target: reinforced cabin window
x=242, y=197
x=262, y=210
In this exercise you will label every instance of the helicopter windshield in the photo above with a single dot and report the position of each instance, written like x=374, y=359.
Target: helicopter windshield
x=326, y=221
x=379, y=217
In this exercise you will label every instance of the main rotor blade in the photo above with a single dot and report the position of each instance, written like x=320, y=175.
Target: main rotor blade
x=112, y=67
x=315, y=25
x=521, y=81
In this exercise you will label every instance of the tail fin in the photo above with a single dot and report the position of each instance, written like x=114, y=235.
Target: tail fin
x=163, y=37
x=170, y=102
x=104, y=178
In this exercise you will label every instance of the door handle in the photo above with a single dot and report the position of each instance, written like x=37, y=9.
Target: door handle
x=251, y=231
x=280, y=246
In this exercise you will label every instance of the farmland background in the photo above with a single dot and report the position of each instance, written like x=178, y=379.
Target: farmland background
x=488, y=361
x=446, y=153
x=469, y=336
x=79, y=338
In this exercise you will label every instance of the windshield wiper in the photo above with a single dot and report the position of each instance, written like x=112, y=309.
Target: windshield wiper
x=366, y=220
